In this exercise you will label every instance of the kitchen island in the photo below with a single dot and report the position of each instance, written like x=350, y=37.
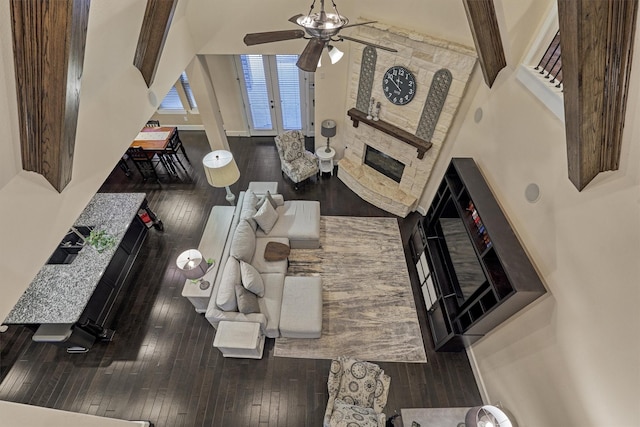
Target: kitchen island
x=69, y=304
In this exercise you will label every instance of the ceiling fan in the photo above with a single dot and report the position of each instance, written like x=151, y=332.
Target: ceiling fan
x=320, y=29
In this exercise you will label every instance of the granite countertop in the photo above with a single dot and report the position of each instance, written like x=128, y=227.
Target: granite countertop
x=59, y=293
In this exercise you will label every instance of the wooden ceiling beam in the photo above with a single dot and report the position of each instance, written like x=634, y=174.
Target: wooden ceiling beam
x=481, y=15
x=48, y=49
x=153, y=34
x=597, y=47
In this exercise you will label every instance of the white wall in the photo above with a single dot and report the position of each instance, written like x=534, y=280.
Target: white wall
x=572, y=357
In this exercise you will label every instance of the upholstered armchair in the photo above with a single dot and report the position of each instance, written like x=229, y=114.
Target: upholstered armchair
x=358, y=393
x=296, y=162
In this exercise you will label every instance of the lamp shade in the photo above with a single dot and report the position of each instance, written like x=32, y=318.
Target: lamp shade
x=486, y=416
x=220, y=168
x=192, y=264
x=328, y=129
x=334, y=53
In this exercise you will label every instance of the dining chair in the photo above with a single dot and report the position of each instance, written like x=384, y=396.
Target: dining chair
x=153, y=124
x=143, y=161
x=170, y=153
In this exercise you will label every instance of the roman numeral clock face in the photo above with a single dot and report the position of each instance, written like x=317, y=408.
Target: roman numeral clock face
x=399, y=85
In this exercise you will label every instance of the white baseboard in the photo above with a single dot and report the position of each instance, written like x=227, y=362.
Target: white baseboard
x=478, y=377
x=237, y=133
x=189, y=127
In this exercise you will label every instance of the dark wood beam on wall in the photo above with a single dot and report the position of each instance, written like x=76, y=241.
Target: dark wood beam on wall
x=48, y=48
x=597, y=47
x=153, y=34
x=481, y=15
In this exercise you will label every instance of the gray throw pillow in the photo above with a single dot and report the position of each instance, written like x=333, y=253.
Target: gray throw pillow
x=266, y=217
x=226, y=298
x=247, y=301
x=244, y=242
x=264, y=199
x=251, y=279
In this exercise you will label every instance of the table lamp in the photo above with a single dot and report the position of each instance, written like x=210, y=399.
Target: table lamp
x=221, y=171
x=486, y=416
x=328, y=130
x=194, y=266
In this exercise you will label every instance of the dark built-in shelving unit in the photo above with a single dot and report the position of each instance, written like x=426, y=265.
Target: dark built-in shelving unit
x=509, y=281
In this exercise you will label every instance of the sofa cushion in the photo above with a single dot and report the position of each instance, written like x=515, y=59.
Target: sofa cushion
x=251, y=279
x=346, y=415
x=271, y=302
x=264, y=266
x=248, y=214
x=299, y=220
x=244, y=242
x=226, y=298
x=266, y=217
x=247, y=301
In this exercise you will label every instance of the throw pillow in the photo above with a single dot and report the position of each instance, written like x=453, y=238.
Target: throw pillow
x=358, y=382
x=244, y=242
x=251, y=279
x=250, y=200
x=226, y=298
x=247, y=301
x=266, y=217
x=345, y=415
x=266, y=197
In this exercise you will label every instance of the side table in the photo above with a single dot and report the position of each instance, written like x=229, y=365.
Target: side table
x=239, y=339
x=325, y=160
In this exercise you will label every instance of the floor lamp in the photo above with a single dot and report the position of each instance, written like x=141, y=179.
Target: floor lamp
x=222, y=171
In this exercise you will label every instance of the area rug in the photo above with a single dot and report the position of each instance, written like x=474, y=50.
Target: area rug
x=368, y=307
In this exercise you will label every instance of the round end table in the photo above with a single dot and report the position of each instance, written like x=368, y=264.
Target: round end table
x=325, y=160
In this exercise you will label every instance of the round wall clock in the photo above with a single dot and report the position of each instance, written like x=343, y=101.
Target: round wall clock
x=399, y=85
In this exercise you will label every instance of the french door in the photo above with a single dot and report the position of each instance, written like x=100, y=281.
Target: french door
x=275, y=94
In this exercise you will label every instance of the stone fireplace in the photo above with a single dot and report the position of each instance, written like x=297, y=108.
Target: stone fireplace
x=423, y=55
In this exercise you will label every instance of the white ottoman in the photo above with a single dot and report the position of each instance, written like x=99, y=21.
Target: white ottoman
x=261, y=187
x=301, y=312
x=239, y=339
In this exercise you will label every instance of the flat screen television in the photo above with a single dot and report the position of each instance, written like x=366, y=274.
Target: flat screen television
x=467, y=269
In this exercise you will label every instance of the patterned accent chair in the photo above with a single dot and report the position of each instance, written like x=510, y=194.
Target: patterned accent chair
x=358, y=393
x=296, y=162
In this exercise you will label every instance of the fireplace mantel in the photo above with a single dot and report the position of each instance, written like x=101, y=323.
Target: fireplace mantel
x=358, y=116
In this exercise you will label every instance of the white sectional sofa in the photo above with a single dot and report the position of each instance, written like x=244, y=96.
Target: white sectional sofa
x=297, y=225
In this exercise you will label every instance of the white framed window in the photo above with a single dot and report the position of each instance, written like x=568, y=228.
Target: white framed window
x=544, y=55
x=179, y=99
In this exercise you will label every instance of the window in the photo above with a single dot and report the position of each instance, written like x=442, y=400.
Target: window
x=180, y=98
x=541, y=70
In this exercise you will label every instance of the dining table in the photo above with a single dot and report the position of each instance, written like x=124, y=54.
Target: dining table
x=155, y=140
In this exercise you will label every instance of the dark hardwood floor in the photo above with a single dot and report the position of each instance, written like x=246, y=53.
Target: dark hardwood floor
x=161, y=365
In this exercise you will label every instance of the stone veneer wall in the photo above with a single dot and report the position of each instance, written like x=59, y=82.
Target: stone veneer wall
x=423, y=55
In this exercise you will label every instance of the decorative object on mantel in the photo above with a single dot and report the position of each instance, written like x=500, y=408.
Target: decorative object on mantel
x=194, y=266
x=401, y=134
x=221, y=171
x=371, y=107
x=322, y=27
x=486, y=416
x=376, y=112
x=328, y=130
x=433, y=105
x=364, y=102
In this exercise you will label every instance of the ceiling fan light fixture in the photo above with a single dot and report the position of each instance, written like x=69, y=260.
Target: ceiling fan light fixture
x=334, y=53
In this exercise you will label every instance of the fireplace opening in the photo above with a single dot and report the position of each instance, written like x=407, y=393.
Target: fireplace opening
x=384, y=164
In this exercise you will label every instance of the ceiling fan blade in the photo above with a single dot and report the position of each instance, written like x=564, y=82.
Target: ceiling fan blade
x=377, y=46
x=308, y=60
x=272, y=36
x=359, y=23
x=294, y=18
